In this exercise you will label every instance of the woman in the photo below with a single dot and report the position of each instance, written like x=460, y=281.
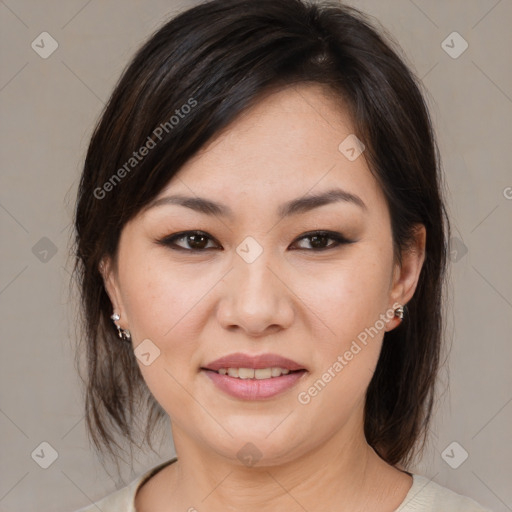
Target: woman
x=261, y=245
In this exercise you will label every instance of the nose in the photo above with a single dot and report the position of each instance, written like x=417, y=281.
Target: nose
x=257, y=299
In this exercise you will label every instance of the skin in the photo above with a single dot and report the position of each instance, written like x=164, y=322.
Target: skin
x=307, y=305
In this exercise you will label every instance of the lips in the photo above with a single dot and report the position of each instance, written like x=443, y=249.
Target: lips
x=239, y=360
x=257, y=377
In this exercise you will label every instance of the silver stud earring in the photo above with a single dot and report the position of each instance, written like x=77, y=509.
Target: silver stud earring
x=124, y=334
x=399, y=312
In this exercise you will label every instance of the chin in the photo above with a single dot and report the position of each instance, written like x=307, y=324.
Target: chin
x=256, y=448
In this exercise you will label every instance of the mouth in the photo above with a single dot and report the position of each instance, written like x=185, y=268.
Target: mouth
x=240, y=361
x=254, y=377
x=253, y=373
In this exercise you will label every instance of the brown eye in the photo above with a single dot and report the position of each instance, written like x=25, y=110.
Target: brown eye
x=188, y=241
x=318, y=240
x=197, y=241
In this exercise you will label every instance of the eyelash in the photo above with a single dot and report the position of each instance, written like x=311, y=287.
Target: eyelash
x=169, y=241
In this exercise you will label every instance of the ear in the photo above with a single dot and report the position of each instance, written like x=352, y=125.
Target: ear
x=108, y=271
x=406, y=275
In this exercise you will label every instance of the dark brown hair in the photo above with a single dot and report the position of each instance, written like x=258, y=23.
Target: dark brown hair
x=193, y=77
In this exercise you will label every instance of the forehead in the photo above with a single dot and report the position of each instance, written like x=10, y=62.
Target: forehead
x=284, y=146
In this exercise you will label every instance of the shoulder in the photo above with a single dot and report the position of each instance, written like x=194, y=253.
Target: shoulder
x=427, y=496
x=118, y=501
x=123, y=500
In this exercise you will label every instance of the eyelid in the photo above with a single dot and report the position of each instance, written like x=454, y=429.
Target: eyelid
x=339, y=238
x=168, y=240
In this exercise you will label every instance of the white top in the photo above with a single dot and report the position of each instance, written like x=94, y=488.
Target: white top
x=424, y=496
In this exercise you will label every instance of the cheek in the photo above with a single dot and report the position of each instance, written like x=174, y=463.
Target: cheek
x=150, y=302
x=163, y=301
x=163, y=305
x=349, y=296
x=348, y=341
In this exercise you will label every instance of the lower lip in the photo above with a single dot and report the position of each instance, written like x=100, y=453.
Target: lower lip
x=254, y=389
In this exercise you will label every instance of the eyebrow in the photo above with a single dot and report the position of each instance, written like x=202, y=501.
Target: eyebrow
x=295, y=206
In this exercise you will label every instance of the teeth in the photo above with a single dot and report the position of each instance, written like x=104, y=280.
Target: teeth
x=263, y=373
x=245, y=373
x=251, y=373
x=275, y=372
x=233, y=372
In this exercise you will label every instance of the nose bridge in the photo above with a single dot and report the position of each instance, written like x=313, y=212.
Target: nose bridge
x=257, y=297
x=255, y=280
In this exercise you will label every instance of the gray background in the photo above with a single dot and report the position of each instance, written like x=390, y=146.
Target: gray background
x=48, y=108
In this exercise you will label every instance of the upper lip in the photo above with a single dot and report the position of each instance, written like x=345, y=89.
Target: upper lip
x=239, y=360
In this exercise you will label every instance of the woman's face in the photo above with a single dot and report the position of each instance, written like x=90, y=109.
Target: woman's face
x=255, y=284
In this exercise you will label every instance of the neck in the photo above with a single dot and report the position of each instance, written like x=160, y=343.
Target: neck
x=344, y=471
